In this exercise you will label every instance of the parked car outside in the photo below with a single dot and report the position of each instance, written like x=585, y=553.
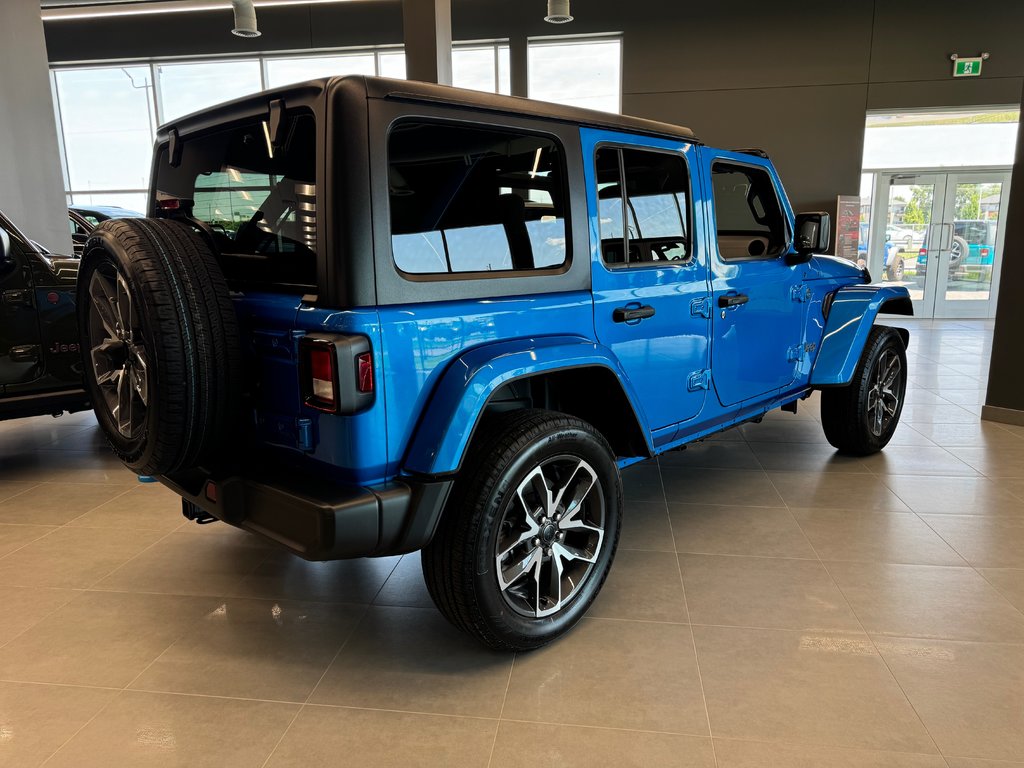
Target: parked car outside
x=371, y=316
x=972, y=245
x=892, y=261
x=904, y=238
x=40, y=358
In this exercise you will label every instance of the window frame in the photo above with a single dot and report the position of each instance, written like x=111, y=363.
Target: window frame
x=692, y=255
x=488, y=275
x=787, y=235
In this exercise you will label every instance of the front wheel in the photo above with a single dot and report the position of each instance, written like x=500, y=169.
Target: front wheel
x=860, y=418
x=530, y=532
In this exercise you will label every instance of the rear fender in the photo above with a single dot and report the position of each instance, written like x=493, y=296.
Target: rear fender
x=852, y=313
x=459, y=400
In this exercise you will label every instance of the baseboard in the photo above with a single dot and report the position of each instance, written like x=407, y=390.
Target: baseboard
x=1002, y=415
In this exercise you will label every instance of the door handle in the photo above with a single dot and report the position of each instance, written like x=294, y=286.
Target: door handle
x=631, y=314
x=732, y=300
x=21, y=297
x=942, y=239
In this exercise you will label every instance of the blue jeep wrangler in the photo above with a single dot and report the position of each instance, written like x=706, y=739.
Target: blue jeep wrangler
x=368, y=316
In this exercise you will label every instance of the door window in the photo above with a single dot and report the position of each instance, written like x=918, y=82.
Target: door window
x=747, y=213
x=643, y=205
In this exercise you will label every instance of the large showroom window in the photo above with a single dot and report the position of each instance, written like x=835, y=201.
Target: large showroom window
x=580, y=73
x=186, y=88
x=107, y=119
x=286, y=71
x=108, y=115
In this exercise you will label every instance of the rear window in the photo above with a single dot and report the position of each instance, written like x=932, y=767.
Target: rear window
x=257, y=200
x=468, y=199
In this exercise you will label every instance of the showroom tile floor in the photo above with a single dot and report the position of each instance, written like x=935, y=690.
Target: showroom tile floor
x=772, y=604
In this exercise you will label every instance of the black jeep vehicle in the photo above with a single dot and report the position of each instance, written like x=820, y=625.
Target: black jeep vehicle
x=40, y=357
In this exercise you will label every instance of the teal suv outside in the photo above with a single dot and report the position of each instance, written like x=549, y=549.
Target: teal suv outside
x=367, y=317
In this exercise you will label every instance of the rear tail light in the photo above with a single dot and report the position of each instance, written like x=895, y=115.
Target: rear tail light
x=336, y=373
x=984, y=252
x=319, y=364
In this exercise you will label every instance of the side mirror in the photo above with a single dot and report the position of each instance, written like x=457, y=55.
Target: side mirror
x=7, y=262
x=813, y=231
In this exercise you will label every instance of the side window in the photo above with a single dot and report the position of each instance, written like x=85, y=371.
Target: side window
x=471, y=199
x=650, y=222
x=748, y=215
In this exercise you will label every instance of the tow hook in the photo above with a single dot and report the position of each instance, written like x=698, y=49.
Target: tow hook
x=196, y=514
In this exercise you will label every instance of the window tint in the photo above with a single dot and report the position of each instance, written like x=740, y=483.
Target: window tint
x=749, y=218
x=653, y=224
x=466, y=199
x=258, y=200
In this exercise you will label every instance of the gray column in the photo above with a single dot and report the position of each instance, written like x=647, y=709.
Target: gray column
x=518, y=54
x=427, y=28
x=1005, y=399
x=31, y=179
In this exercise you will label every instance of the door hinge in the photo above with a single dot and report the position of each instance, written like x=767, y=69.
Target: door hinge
x=795, y=353
x=701, y=307
x=699, y=380
x=801, y=292
x=21, y=297
x=28, y=353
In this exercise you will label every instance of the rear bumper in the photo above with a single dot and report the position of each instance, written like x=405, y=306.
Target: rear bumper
x=318, y=519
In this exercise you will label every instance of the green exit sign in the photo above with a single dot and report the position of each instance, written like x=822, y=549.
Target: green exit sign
x=967, y=67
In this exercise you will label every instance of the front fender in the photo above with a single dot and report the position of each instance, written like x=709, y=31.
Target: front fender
x=851, y=315
x=462, y=393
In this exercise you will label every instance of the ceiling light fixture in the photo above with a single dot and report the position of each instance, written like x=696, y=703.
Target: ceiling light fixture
x=245, y=19
x=558, y=12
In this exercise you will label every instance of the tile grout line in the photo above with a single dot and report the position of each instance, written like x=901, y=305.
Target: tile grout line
x=85, y=725
x=971, y=565
x=874, y=646
x=689, y=619
x=501, y=712
x=313, y=690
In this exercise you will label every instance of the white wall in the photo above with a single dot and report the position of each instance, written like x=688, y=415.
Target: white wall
x=31, y=180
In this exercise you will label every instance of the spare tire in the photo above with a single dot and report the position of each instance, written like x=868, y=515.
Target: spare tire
x=160, y=344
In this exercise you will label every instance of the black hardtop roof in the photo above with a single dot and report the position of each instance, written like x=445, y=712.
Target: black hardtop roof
x=415, y=91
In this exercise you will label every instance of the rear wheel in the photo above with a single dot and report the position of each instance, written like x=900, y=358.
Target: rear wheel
x=530, y=532
x=860, y=418
x=160, y=343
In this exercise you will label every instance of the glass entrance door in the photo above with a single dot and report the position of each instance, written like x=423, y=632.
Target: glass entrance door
x=940, y=235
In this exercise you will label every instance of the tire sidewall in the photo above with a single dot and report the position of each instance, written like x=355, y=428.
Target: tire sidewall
x=886, y=341
x=102, y=249
x=573, y=442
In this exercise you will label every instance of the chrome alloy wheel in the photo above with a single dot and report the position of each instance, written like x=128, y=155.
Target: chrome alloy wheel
x=550, y=536
x=117, y=351
x=884, y=395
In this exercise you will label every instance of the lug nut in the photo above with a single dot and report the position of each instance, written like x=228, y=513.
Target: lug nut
x=536, y=542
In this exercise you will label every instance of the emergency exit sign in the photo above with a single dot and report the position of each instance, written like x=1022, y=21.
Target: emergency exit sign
x=967, y=67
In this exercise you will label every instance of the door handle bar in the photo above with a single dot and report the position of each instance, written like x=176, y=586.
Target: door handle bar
x=732, y=300
x=632, y=314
